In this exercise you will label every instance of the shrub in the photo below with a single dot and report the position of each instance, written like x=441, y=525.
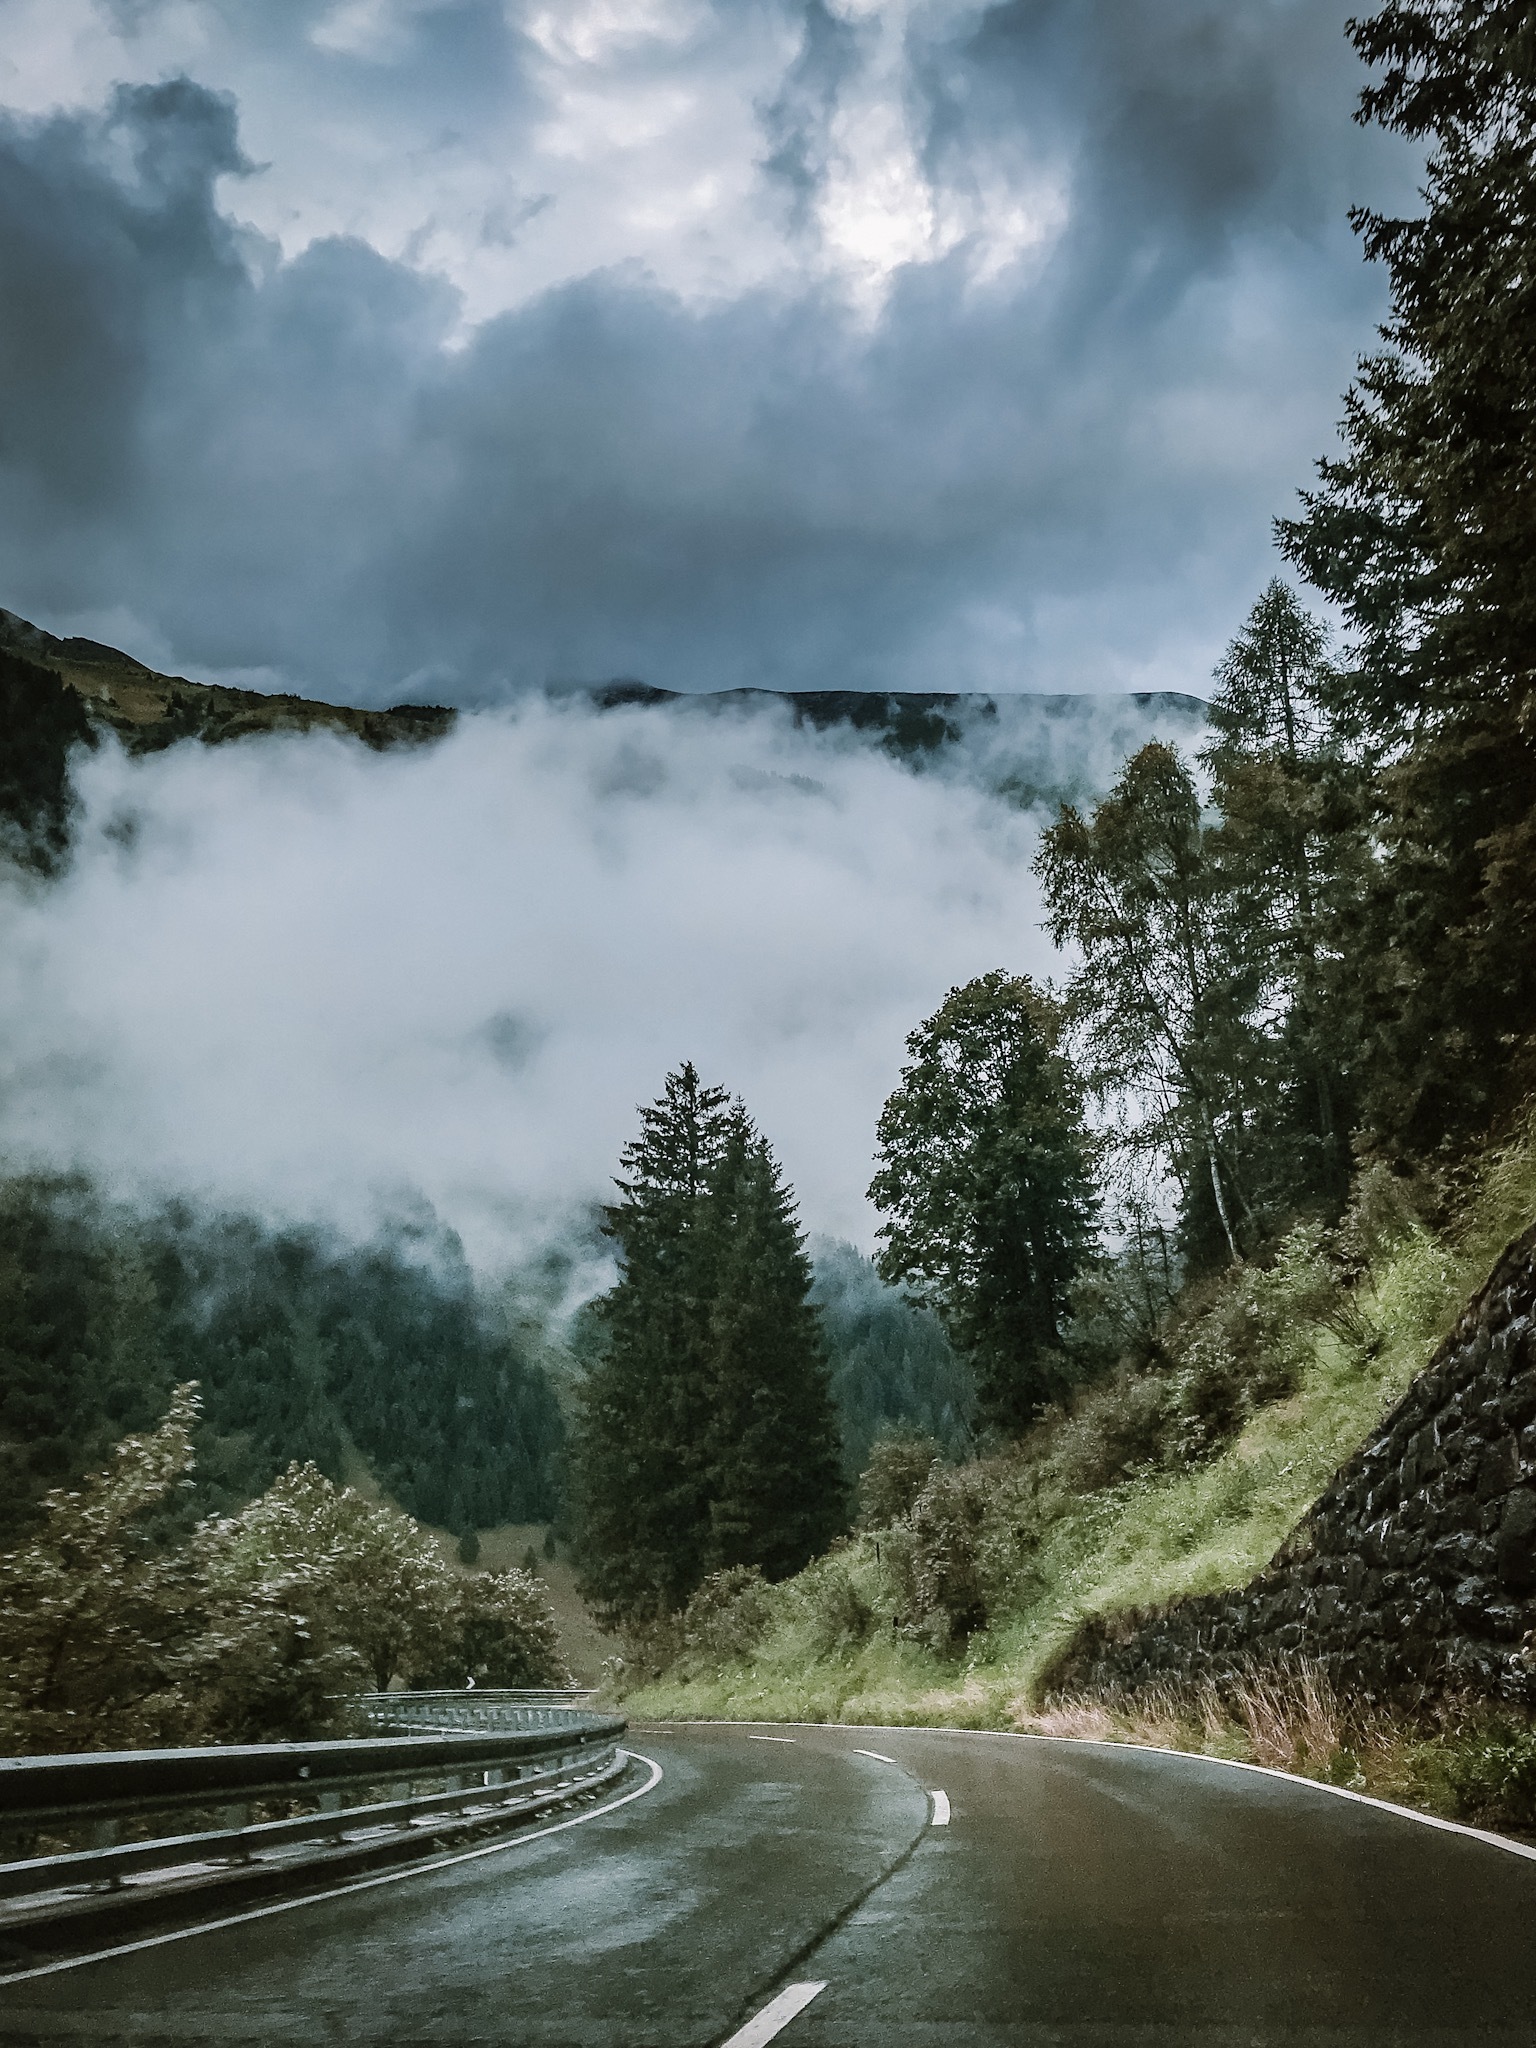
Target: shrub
x=1110, y=1430
x=728, y=1615
x=946, y=1601
x=1493, y=1774
x=900, y=1461
x=364, y=1574
x=1247, y=1344
x=498, y=1630
x=98, y=1615
x=837, y=1615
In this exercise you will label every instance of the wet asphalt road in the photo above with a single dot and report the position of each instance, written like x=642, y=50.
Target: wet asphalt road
x=1084, y=1896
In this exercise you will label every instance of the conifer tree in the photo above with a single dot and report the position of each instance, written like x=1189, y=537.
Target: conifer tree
x=1423, y=531
x=1288, y=858
x=775, y=1492
x=706, y=1435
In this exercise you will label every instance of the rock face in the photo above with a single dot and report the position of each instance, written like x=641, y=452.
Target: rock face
x=1415, y=1571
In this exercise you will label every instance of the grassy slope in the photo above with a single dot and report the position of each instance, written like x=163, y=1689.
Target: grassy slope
x=1147, y=1539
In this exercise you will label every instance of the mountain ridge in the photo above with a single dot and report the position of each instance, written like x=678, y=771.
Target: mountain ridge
x=148, y=709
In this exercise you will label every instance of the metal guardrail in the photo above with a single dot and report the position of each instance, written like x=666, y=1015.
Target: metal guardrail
x=481, y=1707
x=481, y=1777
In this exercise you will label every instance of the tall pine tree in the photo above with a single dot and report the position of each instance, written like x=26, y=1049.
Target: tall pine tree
x=1423, y=532
x=775, y=1484
x=1289, y=858
x=706, y=1435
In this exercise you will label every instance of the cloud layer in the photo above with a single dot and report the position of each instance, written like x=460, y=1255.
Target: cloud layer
x=294, y=975
x=399, y=347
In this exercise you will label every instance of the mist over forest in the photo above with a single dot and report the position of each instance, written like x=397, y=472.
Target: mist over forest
x=326, y=984
x=319, y=1056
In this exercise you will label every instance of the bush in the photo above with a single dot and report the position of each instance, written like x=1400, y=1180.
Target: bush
x=99, y=1616
x=119, y=1632
x=898, y=1469
x=498, y=1630
x=946, y=1601
x=837, y=1615
x=363, y=1574
x=728, y=1615
x=1246, y=1345
x=1493, y=1775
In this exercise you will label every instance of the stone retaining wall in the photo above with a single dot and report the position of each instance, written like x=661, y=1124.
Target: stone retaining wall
x=1415, y=1571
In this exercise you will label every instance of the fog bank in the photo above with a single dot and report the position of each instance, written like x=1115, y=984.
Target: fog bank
x=321, y=983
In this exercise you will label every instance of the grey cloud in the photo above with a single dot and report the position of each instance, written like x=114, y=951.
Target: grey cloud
x=1063, y=479
x=797, y=121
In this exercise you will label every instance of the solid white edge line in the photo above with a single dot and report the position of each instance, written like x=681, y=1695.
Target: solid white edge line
x=775, y=2016
x=940, y=1808
x=341, y=1891
x=1425, y=1820
x=875, y=1753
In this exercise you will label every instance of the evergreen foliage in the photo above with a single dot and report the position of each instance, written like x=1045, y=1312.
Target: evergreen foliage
x=297, y=1342
x=985, y=1183
x=1423, y=532
x=893, y=1367
x=41, y=719
x=707, y=1438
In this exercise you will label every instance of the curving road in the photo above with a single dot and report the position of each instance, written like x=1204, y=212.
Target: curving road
x=1085, y=1896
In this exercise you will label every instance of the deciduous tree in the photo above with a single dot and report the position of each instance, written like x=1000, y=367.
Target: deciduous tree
x=986, y=1188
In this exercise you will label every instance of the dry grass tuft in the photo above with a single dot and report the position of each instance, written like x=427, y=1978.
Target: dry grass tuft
x=1294, y=1720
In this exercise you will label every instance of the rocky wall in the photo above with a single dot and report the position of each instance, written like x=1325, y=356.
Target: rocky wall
x=1416, y=1570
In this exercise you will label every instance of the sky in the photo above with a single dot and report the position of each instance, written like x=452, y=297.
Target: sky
x=443, y=348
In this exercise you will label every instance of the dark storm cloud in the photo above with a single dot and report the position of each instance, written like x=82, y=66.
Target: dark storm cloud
x=1058, y=476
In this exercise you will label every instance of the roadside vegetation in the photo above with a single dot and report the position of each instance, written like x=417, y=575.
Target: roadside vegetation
x=963, y=1582
x=1295, y=1051
x=125, y=1624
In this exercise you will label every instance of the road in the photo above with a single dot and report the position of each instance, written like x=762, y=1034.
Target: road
x=1079, y=1896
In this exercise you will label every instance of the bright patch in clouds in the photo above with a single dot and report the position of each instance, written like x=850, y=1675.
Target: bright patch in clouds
x=381, y=346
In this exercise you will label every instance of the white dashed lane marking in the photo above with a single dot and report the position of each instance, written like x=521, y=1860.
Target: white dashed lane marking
x=770, y=1738
x=879, y=1759
x=775, y=2016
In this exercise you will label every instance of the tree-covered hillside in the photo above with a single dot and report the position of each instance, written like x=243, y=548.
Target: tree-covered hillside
x=298, y=1343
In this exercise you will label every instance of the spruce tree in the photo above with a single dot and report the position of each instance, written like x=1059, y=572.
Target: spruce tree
x=706, y=1434
x=1423, y=532
x=638, y=1461
x=1288, y=860
x=775, y=1485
